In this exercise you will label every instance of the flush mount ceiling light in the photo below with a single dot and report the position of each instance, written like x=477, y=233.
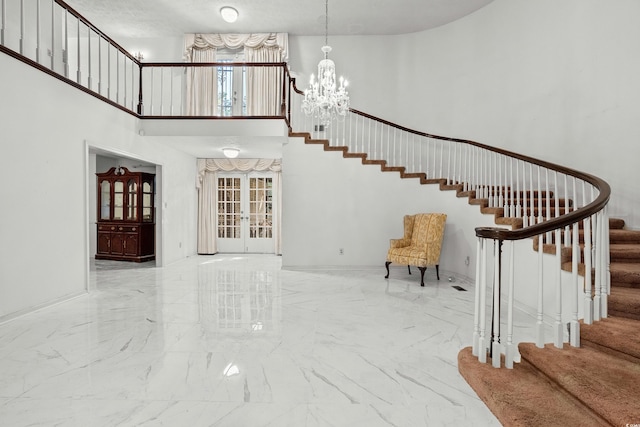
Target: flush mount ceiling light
x=231, y=152
x=229, y=14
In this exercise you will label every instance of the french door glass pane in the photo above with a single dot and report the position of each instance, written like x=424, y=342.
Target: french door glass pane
x=260, y=208
x=229, y=214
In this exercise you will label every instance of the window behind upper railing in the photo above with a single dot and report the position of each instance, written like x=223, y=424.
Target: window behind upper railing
x=232, y=84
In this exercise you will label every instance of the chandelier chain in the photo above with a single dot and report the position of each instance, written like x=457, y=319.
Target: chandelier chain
x=327, y=97
x=326, y=25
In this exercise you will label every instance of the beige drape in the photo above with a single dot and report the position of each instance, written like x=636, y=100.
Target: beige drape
x=202, y=85
x=264, y=84
x=207, y=183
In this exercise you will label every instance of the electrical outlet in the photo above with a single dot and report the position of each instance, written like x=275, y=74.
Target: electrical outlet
x=341, y=251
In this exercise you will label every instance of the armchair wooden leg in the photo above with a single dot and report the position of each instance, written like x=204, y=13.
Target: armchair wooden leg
x=409, y=267
x=437, y=272
x=386, y=264
x=422, y=270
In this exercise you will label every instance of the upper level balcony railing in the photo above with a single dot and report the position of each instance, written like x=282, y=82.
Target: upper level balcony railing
x=55, y=38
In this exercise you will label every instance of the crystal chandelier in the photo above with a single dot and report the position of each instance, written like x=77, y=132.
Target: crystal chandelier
x=323, y=100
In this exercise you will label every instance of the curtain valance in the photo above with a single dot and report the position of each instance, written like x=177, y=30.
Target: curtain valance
x=241, y=165
x=237, y=41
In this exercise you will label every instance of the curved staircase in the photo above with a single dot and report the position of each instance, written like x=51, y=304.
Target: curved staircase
x=597, y=384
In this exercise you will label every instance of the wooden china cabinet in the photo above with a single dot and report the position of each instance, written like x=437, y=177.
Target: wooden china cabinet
x=126, y=223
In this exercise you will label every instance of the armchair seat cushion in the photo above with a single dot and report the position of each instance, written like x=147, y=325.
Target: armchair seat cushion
x=408, y=255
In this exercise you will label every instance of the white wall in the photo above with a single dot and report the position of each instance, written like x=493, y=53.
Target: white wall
x=44, y=245
x=555, y=79
x=330, y=202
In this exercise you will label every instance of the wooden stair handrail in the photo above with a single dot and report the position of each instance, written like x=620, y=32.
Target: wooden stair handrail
x=497, y=233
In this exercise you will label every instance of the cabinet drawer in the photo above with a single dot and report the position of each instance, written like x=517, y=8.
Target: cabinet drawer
x=118, y=228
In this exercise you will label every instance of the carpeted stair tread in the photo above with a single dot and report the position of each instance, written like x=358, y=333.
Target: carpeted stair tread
x=522, y=397
x=609, y=385
x=624, y=236
x=626, y=274
x=624, y=302
x=616, y=223
x=615, y=335
x=624, y=252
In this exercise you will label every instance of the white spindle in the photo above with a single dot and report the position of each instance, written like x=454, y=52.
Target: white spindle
x=597, y=300
x=441, y=175
x=3, y=20
x=558, y=330
x=476, y=307
x=53, y=33
x=482, y=343
x=124, y=79
x=588, y=286
x=500, y=181
x=79, y=74
x=512, y=206
x=100, y=65
x=539, y=188
x=495, y=344
x=151, y=90
x=547, y=200
x=21, y=27
x=448, y=164
x=518, y=189
x=162, y=92
x=171, y=89
x=540, y=313
x=65, y=54
x=607, y=254
x=510, y=349
x=38, y=31
x=89, y=58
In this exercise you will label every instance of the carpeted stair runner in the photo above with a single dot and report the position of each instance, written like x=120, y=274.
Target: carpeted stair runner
x=595, y=384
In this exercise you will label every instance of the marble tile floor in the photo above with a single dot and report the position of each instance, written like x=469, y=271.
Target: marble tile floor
x=235, y=340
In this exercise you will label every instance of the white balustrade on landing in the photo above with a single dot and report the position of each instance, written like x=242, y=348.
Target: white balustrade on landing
x=50, y=35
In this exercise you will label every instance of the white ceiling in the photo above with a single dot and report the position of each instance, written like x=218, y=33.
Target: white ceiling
x=170, y=18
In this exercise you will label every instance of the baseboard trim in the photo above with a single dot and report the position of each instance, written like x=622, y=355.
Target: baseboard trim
x=30, y=310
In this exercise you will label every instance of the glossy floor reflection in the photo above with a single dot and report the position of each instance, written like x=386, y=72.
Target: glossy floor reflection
x=237, y=341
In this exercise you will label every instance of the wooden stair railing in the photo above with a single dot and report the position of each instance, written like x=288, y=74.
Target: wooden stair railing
x=530, y=198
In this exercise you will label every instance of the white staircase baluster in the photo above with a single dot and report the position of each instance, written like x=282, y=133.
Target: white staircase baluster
x=482, y=344
x=495, y=343
x=540, y=313
x=510, y=348
x=588, y=287
x=476, y=306
x=558, y=330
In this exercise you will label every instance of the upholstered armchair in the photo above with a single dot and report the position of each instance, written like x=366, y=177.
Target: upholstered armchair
x=421, y=244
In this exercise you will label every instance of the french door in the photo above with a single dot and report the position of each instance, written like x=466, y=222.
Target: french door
x=245, y=212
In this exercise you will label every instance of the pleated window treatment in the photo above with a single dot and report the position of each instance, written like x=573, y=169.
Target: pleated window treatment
x=207, y=185
x=202, y=85
x=264, y=84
